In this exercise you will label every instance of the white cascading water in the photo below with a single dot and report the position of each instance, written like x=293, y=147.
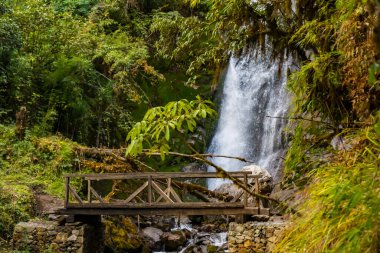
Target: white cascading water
x=251, y=115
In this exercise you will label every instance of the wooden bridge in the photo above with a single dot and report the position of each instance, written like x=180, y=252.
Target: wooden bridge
x=157, y=193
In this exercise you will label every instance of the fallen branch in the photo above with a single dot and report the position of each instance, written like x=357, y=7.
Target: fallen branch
x=301, y=118
x=119, y=153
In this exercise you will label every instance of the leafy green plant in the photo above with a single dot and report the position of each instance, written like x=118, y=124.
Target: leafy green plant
x=159, y=124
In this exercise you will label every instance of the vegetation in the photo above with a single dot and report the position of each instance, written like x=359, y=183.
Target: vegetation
x=26, y=167
x=88, y=70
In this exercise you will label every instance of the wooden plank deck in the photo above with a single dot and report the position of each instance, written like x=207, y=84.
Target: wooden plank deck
x=215, y=210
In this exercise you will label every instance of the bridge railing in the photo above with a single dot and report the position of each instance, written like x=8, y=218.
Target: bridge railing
x=154, y=189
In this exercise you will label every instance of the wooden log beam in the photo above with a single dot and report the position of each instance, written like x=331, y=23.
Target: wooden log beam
x=133, y=195
x=161, y=192
x=75, y=194
x=156, y=175
x=97, y=196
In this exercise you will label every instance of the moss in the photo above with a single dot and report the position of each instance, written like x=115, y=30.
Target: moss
x=35, y=161
x=16, y=204
x=212, y=249
x=26, y=165
x=121, y=235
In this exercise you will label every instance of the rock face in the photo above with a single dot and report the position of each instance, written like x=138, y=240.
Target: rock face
x=254, y=236
x=39, y=236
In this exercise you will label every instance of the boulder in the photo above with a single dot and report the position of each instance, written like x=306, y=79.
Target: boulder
x=265, y=182
x=172, y=241
x=265, y=176
x=152, y=233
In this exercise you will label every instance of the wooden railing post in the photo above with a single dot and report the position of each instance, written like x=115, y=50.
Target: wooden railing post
x=245, y=192
x=67, y=191
x=257, y=189
x=89, y=191
x=149, y=189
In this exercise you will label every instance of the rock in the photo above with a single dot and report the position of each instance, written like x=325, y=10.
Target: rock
x=152, y=233
x=194, y=167
x=75, y=232
x=248, y=243
x=260, y=217
x=61, y=237
x=265, y=176
x=208, y=228
x=239, y=228
x=173, y=240
x=340, y=143
x=228, y=188
x=80, y=239
x=72, y=238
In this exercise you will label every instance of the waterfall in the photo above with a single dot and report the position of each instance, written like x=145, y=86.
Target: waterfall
x=254, y=103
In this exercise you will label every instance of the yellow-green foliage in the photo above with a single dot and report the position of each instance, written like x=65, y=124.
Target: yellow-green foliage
x=35, y=161
x=16, y=203
x=27, y=165
x=334, y=82
x=121, y=235
x=341, y=205
x=342, y=210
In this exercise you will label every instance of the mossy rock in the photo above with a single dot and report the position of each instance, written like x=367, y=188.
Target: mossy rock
x=122, y=236
x=212, y=249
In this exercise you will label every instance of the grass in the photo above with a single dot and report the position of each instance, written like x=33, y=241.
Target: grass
x=341, y=210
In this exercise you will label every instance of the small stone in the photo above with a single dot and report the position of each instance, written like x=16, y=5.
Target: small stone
x=18, y=228
x=277, y=232
x=72, y=238
x=247, y=243
x=51, y=233
x=80, y=239
x=61, y=237
x=75, y=232
x=272, y=239
x=239, y=228
x=41, y=229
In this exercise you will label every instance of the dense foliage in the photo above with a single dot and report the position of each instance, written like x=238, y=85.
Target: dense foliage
x=85, y=67
x=89, y=69
x=27, y=167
